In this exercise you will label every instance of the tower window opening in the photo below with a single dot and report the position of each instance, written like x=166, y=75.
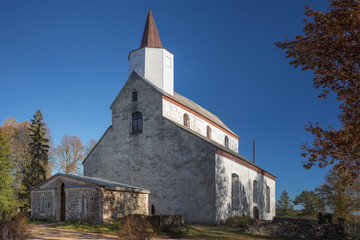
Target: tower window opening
x=137, y=124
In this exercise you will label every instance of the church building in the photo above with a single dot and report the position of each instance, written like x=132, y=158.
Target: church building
x=180, y=155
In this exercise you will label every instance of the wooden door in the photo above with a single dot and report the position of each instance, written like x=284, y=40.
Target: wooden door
x=256, y=213
x=62, y=215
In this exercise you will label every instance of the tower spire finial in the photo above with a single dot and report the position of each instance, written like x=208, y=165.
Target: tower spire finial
x=151, y=36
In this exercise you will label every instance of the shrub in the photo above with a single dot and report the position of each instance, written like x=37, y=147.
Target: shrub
x=237, y=221
x=14, y=228
x=135, y=227
x=324, y=218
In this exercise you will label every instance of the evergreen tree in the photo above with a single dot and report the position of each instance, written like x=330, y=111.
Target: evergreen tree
x=284, y=206
x=39, y=151
x=311, y=202
x=6, y=193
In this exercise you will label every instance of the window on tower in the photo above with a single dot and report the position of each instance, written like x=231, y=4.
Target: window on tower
x=137, y=122
x=134, y=96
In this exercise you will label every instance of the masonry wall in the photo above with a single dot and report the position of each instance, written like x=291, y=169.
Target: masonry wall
x=118, y=204
x=176, y=113
x=175, y=165
x=91, y=211
x=225, y=167
x=42, y=205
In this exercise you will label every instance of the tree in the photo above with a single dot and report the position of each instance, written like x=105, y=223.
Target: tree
x=39, y=151
x=89, y=146
x=311, y=202
x=340, y=194
x=284, y=206
x=330, y=48
x=6, y=193
x=19, y=137
x=70, y=153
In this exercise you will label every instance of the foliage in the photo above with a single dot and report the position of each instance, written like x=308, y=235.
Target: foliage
x=237, y=221
x=14, y=228
x=70, y=153
x=6, y=192
x=324, y=218
x=340, y=193
x=39, y=150
x=330, y=48
x=311, y=202
x=284, y=206
x=135, y=228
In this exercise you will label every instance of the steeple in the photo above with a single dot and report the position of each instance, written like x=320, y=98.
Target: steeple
x=151, y=36
x=153, y=61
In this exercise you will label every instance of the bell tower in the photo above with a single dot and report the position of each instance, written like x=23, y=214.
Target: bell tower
x=153, y=61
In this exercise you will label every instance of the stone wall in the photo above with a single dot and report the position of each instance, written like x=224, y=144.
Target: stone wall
x=92, y=207
x=298, y=228
x=175, y=165
x=36, y=205
x=225, y=167
x=119, y=204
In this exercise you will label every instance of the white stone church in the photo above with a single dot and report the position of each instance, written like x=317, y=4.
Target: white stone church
x=183, y=158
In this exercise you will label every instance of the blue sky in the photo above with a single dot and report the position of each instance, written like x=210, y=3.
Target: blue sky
x=69, y=59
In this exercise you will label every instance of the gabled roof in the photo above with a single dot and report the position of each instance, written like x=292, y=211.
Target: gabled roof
x=98, y=182
x=151, y=36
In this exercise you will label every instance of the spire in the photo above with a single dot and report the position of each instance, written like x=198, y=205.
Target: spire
x=151, y=36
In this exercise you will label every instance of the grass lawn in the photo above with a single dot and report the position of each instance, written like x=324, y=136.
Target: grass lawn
x=195, y=231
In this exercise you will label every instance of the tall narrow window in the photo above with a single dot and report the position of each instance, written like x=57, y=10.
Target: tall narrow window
x=226, y=141
x=134, y=96
x=137, y=122
x=186, y=120
x=267, y=199
x=208, y=131
x=82, y=204
x=255, y=191
x=42, y=202
x=235, y=192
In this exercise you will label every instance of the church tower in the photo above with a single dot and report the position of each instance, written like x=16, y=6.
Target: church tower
x=153, y=61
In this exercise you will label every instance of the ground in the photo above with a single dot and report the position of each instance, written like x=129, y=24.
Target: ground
x=55, y=231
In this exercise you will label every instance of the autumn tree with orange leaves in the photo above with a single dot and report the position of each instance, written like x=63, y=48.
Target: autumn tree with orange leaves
x=330, y=47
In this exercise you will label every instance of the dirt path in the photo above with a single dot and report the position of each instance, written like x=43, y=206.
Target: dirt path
x=45, y=231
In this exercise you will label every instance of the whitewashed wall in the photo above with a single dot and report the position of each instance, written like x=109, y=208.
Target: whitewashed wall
x=224, y=168
x=156, y=65
x=176, y=113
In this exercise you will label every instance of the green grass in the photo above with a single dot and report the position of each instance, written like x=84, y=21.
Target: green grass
x=199, y=231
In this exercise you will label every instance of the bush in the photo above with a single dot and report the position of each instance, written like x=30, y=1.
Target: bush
x=237, y=221
x=135, y=228
x=13, y=228
x=324, y=218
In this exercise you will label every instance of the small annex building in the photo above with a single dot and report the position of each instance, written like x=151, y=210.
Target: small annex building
x=69, y=197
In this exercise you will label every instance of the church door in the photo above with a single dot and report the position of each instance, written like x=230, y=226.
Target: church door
x=62, y=215
x=256, y=213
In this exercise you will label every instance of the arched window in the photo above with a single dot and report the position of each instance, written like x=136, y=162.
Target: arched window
x=42, y=203
x=208, y=131
x=255, y=191
x=267, y=199
x=235, y=192
x=186, y=120
x=137, y=122
x=226, y=141
x=82, y=204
